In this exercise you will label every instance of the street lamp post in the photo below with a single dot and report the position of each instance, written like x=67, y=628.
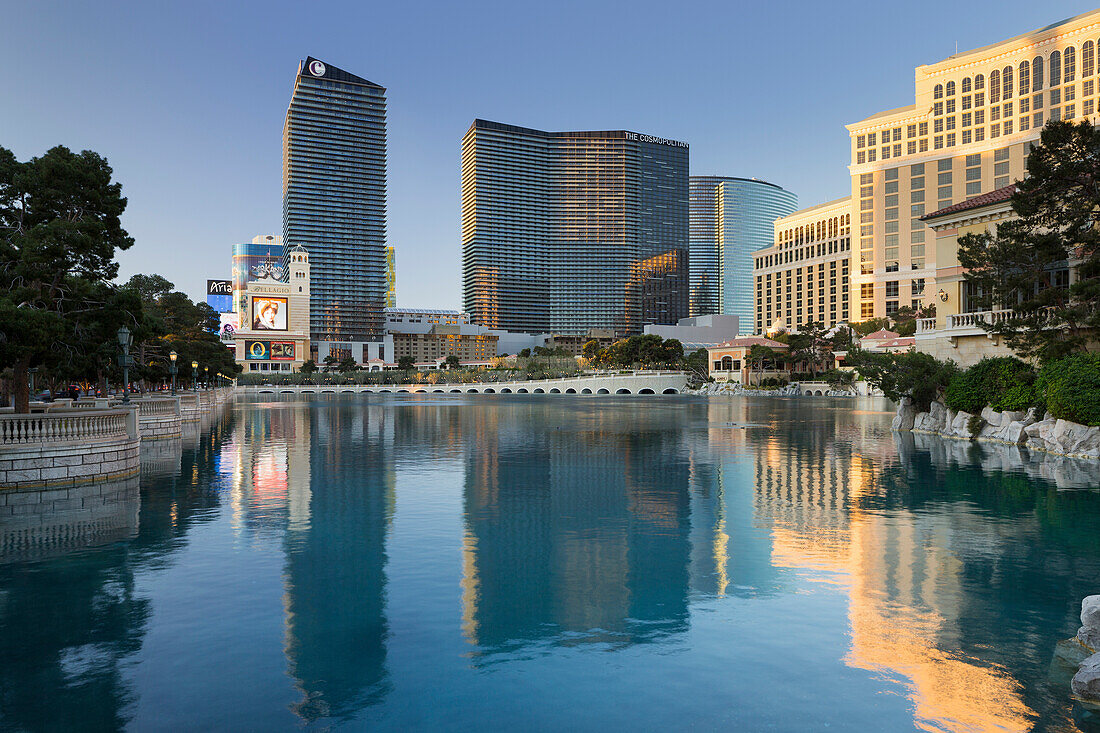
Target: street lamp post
x=172, y=368
x=125, y=339
x=194, y=375
x=30, y=381
x=206, y=376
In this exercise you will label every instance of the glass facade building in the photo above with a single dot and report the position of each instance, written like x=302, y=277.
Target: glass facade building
x=703, y=244
x=744, y=216
x=334, y=202
x=563, y=232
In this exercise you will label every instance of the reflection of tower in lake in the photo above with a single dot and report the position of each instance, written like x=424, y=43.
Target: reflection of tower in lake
x=575, y=529
x=904, y=573
x=335, y=558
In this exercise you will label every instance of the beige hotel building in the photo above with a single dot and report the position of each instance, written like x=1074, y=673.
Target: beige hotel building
x=967, y=133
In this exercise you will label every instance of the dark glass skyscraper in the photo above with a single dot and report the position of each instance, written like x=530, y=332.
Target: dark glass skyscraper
x=334, y=203
x=563, y=232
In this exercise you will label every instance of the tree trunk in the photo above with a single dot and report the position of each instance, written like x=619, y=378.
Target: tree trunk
x=21, y=396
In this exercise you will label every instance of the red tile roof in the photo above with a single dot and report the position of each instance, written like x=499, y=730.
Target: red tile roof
x=881, y=334
x=750, y=341
x=1004, y=193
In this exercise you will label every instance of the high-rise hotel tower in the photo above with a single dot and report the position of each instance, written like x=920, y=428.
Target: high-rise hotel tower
x=564, y=232
x=731, y=218
x=967, y=133
x=334, y=204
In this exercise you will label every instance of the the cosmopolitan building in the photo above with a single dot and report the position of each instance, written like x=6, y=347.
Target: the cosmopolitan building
x=967, y=133
x=730, y=219
x=563, y=232
x=804, y=275
x=334, y=203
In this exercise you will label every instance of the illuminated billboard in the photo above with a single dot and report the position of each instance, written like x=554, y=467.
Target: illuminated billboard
x=230, y=322
x=264, y=350
x=268, y=314
x=219, y=295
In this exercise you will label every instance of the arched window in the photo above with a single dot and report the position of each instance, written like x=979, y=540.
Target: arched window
x=1088, y=57
x=1037, y=73
x=966, y=85
x=951, y=89
x=937, y=93
x=1006, y=82
x=1055, y=68
x=994, y=86
x=1069, y=64
x=979, y=83
x=1025, y=78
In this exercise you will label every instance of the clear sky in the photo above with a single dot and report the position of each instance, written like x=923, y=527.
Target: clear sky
x=187, y=99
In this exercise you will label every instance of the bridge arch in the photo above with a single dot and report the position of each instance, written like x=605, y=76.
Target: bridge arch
x=671, y=390
x=522, y=390
x=555, y=390
x=505, y=390
x=645, y=390
x=571, y=391
x=539, y=390
x=490, y=390
x=456, y=391
x=586, y=390
x=622, y=390
x=603, y=390
x=471, y=391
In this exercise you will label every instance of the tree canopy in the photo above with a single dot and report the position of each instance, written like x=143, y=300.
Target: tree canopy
x=1024, y=266
x=60, y=227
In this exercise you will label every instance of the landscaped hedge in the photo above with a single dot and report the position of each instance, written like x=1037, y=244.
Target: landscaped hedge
x=1071, y=388
x=1003, y=383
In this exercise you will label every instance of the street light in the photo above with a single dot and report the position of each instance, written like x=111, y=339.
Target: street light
x=194, y=375
x=125, y=339
x=206, y=376
x=172, y=368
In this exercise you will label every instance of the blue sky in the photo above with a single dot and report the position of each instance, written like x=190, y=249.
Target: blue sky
x=187, y=100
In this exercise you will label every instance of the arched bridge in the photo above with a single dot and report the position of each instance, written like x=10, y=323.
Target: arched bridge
x=626, y=383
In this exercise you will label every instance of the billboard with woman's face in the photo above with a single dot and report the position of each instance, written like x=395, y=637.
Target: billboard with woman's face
x=268, y=314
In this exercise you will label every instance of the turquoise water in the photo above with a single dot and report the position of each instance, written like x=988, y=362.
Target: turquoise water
x=539, y=563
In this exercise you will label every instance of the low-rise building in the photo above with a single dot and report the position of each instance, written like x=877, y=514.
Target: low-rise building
x=886, y=342
x=729, y=361
x=699, y=331
x=274, y=316
x=443, y=340
x=956, y=332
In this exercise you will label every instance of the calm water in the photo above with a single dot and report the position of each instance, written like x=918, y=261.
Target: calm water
x=557, y=563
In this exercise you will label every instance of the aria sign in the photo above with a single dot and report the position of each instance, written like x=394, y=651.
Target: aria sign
x=640, y=138
x=316, y=68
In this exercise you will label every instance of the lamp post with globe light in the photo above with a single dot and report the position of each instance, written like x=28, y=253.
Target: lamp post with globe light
x=194, y=375
x=125, y=340
x=172, y=368
x=206, y=377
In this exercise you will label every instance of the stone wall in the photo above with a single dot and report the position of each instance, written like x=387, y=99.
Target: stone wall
x=1027, y=429
x=36, y=522
x=39, y=466
x=967, y=350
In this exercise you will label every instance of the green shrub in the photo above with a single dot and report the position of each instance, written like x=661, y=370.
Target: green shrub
x=1070, y=387
x=913, y=374
x=975, y=425
x=1003, y=383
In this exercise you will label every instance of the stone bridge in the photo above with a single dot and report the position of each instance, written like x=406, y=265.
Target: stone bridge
x=625, y=383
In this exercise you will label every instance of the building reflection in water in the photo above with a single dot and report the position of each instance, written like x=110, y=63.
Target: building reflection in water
x=320, y=474
x=904, y=573
x=580, y=526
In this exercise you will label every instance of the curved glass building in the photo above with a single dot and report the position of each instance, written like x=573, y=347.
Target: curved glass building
x=744, y=215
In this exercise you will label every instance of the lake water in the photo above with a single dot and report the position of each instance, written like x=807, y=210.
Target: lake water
x=547, y=563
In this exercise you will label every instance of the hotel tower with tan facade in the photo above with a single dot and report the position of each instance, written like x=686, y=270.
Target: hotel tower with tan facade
x=967, y=133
